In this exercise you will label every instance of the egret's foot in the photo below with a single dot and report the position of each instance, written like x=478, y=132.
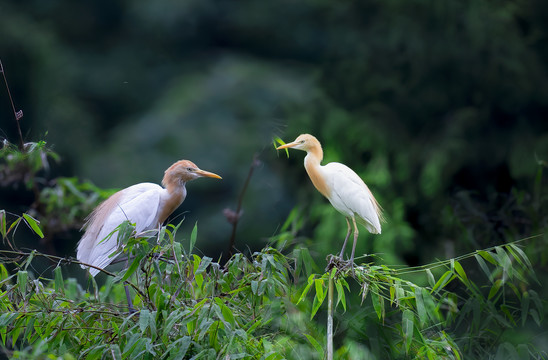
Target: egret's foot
x=339, y=263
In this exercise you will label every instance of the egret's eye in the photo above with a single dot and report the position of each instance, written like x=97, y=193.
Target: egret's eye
x=190, y=169
x=302, y=141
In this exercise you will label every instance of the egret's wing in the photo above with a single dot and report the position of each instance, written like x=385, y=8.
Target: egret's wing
x=351, y=197
x=138, y=204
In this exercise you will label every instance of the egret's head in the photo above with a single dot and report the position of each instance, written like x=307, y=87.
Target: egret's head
x=185, y=170
x=304, y=142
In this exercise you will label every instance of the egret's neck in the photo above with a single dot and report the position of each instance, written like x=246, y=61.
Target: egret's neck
x=312, y=165
x=175, y=195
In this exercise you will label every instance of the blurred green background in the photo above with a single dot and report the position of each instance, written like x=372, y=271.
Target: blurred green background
x=440, y=106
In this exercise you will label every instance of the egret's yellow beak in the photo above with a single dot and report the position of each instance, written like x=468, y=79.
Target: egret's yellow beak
x=285, y=146
x=207, y=174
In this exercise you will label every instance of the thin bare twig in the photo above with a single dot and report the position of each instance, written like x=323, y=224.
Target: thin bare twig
x=234, y=217
x=17, y=114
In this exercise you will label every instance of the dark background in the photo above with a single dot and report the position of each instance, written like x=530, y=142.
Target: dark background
x=440, y=106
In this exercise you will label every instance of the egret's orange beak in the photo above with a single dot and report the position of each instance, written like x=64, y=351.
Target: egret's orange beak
x=285, y=146
x=207, y=174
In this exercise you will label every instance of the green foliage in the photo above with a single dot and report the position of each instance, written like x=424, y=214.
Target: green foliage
x=261, y=307
x=23, y=165
x=66, y=201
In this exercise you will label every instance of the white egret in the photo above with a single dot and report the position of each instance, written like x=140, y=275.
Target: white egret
x=147, y=205
x=344, y=189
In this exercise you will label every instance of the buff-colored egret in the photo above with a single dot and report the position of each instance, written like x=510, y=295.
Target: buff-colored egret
x=147, y=205
x=344, y=189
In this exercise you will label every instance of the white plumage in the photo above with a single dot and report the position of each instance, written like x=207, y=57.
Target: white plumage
x=344, y=189
x=147, y=205
x=351, y=197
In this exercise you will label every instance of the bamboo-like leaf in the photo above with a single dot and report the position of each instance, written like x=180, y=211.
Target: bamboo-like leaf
x=378, y=303
x=115, y=352
x=144, y=319
x=460, y=272
x=340, y=294
x=430, y=276
x=505, y=262
x=226, y=313
x=319, y=298
x=407, y=328
x=315, y=344
x=488, y=256
x=421, y=308
x=132, y=267
x=34, y=224
x=318, y=284
x=484, y=267
x=392, y=294
x=29, y=329
x=445, y=279
x=307, y=288
x=59, y=286
x=14, y=224
x=494, y=289
x=22, y=278
x=254, y=287
x=278, y=142
x=508, y=314
x=193, y=237
x=179, y=348
x=204, y=263
x=4, y=275
x=432, y=307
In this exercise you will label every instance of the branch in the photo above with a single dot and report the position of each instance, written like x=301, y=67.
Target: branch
x=233, y=217
x=17, y=114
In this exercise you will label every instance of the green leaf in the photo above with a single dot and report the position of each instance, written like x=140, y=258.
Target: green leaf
x=319, y=298
x=226, y=313
x=179, y=348
x=29, y=259
x=193, y=236
x=430, y=276
x=255, y=287
x=133, y=267
x=445, y=279
x=487, y=256
x=315, y=344
x=484, y=267
x=407, y=328
x=59, y=286
x=33, y=223
x=318, y=284
x=378, y=301
x=340, y=294
x=22, y=278
x=494, y=289
x=29, y=329
x=278, y=142
x=421, y=308
x=460, y=272
x=3, y=273
x=203, y=265
x=307, y=288
x=14, y=224
x=144, y=319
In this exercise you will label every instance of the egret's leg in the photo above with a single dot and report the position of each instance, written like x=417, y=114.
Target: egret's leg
x=355, y=241
x=346, y=239
x=129, y=302
x=128, y=296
